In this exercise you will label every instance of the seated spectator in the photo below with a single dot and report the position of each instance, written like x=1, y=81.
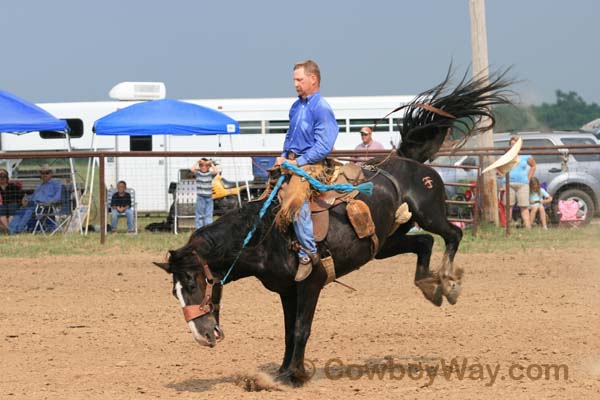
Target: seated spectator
x=49, y=191
x=11, y=196
x=367, y=144
x=120, y=204
x=538, y=198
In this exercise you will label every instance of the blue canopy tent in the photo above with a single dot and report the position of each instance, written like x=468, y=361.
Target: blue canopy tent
x=18, y=116
x=166, y=117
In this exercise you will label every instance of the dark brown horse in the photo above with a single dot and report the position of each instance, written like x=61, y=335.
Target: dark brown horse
x=198, y=267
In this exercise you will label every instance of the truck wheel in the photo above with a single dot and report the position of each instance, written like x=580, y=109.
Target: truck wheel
x=586, y=204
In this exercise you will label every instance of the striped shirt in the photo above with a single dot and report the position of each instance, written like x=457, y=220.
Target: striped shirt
x=204, y=183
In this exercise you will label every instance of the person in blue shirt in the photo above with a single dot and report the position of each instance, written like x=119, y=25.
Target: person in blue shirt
x=520, y=176
x=49, y=191
x=310, y=138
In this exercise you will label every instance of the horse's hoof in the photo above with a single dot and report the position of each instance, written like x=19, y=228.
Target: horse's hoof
x=453, y=291
x=287, y=377
x=431, y=289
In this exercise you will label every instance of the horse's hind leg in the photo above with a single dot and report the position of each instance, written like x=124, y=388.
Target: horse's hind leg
x=421, y=245
x=449, y=274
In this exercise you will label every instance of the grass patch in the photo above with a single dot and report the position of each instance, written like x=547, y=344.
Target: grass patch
x=489, y=240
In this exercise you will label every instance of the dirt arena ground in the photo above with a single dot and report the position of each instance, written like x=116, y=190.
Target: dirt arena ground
x=108, y=328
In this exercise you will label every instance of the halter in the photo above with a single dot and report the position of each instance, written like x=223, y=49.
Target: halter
x=212, y=294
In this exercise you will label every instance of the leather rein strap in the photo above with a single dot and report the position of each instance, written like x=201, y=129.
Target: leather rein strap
x=207, y=305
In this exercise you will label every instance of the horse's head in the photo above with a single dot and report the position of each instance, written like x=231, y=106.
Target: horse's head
x=199, y=294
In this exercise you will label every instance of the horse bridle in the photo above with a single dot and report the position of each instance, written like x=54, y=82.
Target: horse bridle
x=212, y=294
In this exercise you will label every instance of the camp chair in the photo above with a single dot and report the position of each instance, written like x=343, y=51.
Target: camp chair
x=184, y=205
x=569, y=213
x=109, y=195
x=54, y=217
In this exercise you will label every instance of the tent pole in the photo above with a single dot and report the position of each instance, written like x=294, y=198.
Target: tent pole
x=237, y=186
x=74, y=181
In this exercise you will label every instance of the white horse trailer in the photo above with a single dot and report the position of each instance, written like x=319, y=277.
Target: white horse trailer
x=263, y=124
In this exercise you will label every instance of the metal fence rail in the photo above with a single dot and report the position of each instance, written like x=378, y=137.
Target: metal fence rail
x=473, y=203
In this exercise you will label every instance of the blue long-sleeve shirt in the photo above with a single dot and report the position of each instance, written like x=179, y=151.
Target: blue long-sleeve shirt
x=47, y=192
x=313, y=130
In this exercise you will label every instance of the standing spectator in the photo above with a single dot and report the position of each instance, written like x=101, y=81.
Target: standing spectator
x=204, y=170
x=520, y=176
x=120, y=204
x=367, y=144
x=11, y=197
x=49, y=191
x=537, y=198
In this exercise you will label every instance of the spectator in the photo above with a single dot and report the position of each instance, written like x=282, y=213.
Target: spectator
x=120, y=204
x=520, y=176
x=368, y=144
x=11, y=197
x=537, y=198
x=49, y=191
x=204, y=170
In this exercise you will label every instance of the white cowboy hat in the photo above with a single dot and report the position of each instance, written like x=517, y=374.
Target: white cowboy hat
x=508, y=160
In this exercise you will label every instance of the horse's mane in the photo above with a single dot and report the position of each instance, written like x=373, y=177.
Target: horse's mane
x=423, y=131
x=223, y=239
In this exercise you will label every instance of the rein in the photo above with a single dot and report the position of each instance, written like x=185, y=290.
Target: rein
x=212, y=294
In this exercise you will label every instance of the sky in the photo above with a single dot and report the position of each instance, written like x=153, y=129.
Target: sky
x=74, y=50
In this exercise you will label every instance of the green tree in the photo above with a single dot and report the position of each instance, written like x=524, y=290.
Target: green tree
x=569, y=112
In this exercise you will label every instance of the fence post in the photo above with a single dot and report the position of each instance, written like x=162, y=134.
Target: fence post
x=507, y=212
x=102, y=194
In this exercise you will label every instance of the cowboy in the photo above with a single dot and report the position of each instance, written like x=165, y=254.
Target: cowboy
x=310, y=138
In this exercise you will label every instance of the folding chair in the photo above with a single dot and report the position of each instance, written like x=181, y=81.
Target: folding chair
x=109, y=195
x=569, y=214
x=54, y=217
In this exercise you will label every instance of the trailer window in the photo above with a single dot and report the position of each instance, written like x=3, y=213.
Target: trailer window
x=140, y=143
x=75, y=126
x=378, y=125
x=250, y=127
x=278, y=126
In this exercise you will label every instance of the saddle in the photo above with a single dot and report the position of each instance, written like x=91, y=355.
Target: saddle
x=358, y=212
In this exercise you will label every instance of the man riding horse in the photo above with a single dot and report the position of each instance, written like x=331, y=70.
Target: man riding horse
x=222, y=252
x=310, y=138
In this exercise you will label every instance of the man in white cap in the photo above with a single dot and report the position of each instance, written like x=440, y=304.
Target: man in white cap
x=48, y=191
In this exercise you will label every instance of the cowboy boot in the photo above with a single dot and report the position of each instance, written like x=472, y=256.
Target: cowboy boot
x=304, y=268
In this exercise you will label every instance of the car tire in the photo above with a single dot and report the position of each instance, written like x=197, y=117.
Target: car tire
x=584, y=199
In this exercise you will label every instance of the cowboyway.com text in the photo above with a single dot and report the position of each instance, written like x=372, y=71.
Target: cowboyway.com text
x=433, y=369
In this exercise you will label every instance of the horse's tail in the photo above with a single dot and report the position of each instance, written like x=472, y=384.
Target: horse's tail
x=435, y=113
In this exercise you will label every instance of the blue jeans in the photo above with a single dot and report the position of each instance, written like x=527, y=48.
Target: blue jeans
x=20, y=220
x=204, y=211
x=303, y=227
x=115, y=219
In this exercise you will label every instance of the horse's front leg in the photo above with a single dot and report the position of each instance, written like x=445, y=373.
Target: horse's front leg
x=288, y=302
x=307, y=296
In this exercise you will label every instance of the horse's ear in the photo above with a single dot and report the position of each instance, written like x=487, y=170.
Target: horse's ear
x=164, y=266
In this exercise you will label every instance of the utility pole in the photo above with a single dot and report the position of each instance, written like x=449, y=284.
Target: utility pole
x=481, y=69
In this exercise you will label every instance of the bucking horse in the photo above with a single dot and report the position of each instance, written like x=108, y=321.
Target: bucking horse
x=199, y=267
